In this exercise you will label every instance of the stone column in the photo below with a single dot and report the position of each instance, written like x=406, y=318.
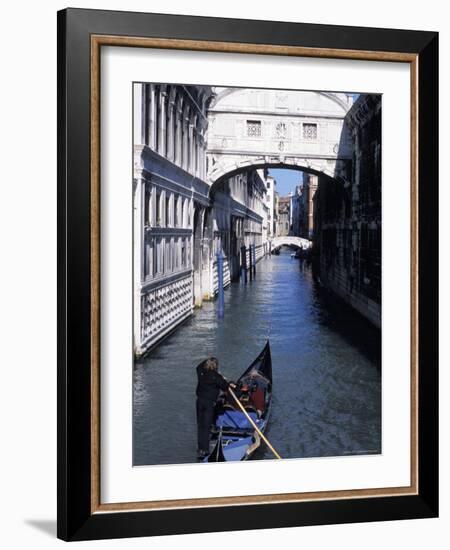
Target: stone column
x=171, y=131
x=162, y=123
x=203, y=159
x=199, y=155
x=152, y=117
x=174, y=130
x=191, y=138
x=178, y=135
x=185, y=122
x=194, y=152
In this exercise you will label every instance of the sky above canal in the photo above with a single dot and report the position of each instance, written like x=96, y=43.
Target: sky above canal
x=286, y=179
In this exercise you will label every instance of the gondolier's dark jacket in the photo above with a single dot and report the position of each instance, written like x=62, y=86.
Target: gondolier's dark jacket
x=210, y=383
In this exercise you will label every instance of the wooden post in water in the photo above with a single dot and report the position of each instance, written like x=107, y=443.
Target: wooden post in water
x=221, y=301
x=244, y=263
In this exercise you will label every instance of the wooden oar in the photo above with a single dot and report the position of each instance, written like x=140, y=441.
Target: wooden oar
x=249, y=418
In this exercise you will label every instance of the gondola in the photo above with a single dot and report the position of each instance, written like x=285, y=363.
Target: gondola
x=233, y=437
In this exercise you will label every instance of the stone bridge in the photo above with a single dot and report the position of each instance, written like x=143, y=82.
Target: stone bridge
x=299, y=242
x=291, y=129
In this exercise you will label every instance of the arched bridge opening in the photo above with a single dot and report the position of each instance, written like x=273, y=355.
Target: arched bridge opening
x=244, y=220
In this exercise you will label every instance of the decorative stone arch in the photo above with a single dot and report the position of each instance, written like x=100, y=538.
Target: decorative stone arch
x=333, y=171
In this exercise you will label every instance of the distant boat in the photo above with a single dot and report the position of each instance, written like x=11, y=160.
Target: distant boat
x=301, y=253
x=276, y=251
x=233, y=437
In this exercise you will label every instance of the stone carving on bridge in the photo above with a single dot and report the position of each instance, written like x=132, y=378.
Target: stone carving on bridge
x=281, y=100
x=281, y=130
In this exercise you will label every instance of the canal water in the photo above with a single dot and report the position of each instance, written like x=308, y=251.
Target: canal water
x=326, y=363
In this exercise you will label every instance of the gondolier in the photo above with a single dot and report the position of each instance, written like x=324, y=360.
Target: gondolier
x=210, y=383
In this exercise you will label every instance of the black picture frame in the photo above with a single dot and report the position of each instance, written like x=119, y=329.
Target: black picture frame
x=76, y=521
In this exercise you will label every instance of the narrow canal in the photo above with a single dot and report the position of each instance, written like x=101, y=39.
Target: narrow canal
x=326, y=370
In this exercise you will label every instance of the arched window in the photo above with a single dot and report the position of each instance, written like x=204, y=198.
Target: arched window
x=159, y=208
x=168, y=210
x=186, y=220
x=178, y=212
x=147, y=204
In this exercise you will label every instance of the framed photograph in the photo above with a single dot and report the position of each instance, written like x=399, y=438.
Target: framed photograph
x=247, y=274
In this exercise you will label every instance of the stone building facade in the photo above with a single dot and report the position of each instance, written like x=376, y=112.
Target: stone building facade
x=348, y=216
x=169, y=200
x=238, y=219
x=270, y=201
x=295, y=210
x=283, y=217
x=303, y=206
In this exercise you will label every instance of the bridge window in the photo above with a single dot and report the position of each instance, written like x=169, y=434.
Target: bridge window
x=309, y=131
x=254, y=128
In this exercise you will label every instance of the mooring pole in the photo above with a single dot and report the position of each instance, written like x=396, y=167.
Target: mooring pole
x=254, y=260
x=221, y=300
x=244, y=263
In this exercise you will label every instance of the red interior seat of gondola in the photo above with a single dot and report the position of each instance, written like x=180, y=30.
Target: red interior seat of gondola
x=258, y=399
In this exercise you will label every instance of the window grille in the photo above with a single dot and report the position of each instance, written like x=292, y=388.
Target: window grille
x=254, y=128
x=310, y=131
